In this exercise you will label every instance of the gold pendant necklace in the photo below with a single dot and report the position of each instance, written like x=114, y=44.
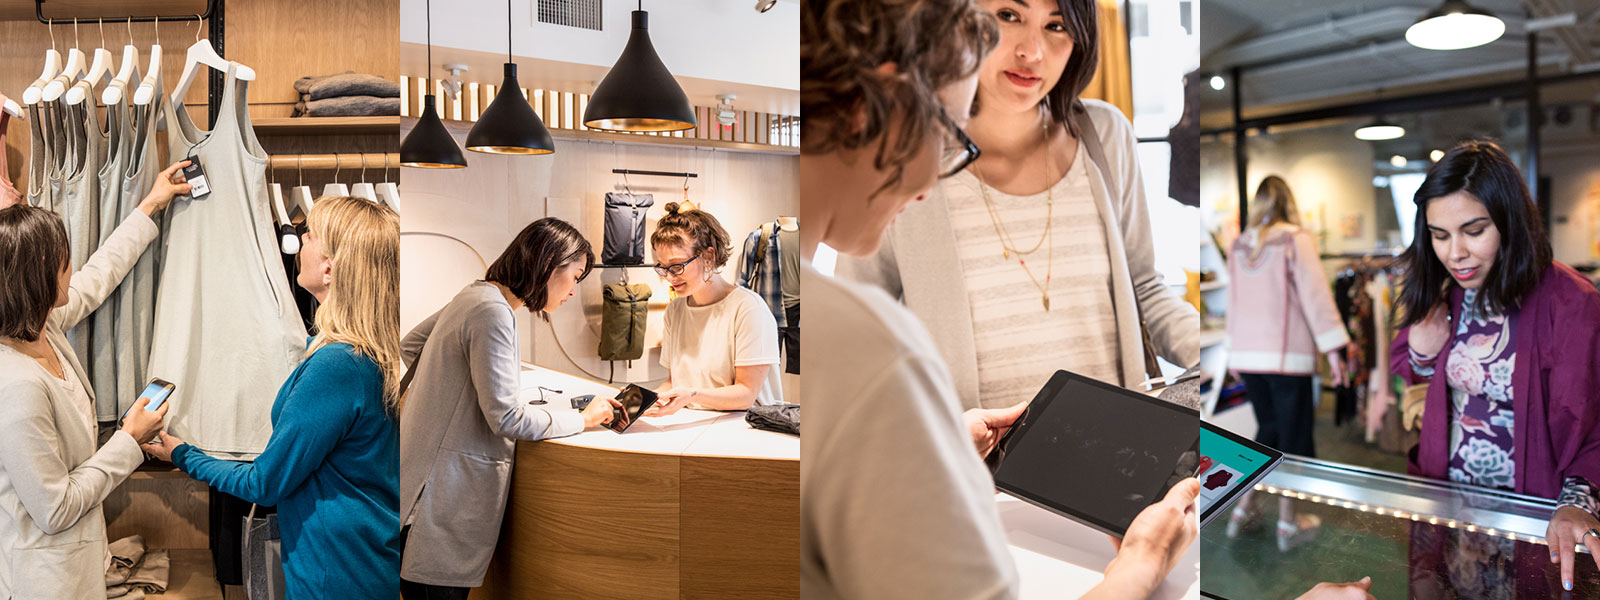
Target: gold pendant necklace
x=1009, y=247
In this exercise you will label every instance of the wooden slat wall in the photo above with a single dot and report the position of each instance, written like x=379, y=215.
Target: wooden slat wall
x=564, y=111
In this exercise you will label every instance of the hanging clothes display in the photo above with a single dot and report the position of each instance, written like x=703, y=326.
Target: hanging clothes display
x=79, y=204
x=133, y=170
x=226, y=329
x=103, y=335
x=760, y=271
x=789, y=281
x=8, y=192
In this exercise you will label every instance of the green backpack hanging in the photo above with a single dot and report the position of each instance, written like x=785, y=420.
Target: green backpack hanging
x=622, y=321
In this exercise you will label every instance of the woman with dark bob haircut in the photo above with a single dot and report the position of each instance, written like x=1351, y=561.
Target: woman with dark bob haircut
x=462, y=415
x=1509, y=340
x=53, y=474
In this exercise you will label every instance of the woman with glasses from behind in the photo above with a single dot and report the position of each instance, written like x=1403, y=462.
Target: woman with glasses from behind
x=1036, y=256
x=463, y=411
x=720, y=341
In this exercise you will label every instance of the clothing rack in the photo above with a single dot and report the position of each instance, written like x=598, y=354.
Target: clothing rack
x=211, y=9
x=213, y=16
x=1368, y=254
x=376, y=160
x=652, y=173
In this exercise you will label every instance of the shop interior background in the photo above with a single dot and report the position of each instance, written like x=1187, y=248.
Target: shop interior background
x=1289, y=86
x=165, y=506
x=460, y=219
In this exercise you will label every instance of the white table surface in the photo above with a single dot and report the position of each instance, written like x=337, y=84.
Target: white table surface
x=1059, y=558
x=686, y=432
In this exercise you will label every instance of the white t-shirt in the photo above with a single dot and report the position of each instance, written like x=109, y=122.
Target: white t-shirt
x=894, y=501
x=701, y=345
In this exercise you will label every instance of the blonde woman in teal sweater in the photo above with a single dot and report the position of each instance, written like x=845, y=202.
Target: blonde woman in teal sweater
x=332, y=464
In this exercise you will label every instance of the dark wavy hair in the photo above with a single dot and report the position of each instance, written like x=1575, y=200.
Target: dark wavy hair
x=538, y=250
x=33, y=251
x=1082, y=21
x=847, y=101
x=1482, y=169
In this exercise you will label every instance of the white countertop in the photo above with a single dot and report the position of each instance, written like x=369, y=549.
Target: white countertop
x=1060, y=558
x=687, y=432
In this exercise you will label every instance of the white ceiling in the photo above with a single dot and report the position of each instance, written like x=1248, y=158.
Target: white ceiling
x=712, y=47
x=1298, y=54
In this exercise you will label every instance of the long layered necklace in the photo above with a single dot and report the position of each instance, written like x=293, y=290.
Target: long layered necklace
x=1009, y=247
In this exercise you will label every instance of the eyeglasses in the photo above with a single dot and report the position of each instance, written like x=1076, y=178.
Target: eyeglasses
x=674, y=270
x=959, y=151
x=542, y=390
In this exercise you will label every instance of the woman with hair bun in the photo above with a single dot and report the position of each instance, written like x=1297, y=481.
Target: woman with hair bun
x=720, y=342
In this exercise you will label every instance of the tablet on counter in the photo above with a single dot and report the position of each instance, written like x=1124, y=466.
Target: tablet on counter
x=635, y=400
x=1097, y=453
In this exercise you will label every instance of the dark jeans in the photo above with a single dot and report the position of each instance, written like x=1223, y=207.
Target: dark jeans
x=411, y=590
x=1284, y=413
x=790, y=338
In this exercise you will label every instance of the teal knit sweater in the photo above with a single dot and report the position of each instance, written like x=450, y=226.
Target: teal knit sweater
x=332, y=468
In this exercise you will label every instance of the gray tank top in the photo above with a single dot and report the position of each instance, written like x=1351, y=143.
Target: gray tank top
x=104, y=337
x=136, y=297
x=227, y=332
x=79, y=202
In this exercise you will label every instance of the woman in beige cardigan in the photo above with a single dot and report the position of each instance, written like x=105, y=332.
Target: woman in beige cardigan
x=52, y=477
x=1038, y=256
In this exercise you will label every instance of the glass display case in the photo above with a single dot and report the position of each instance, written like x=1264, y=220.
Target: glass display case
x=1416, y=538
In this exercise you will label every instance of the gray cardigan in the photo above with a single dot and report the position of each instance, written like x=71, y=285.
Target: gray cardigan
x=459, y=424
x=52, y=477
x=918, y=264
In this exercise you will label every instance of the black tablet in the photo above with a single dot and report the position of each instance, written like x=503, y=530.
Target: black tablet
x=1097, y=453
x=1229, y=466
x=635, y=400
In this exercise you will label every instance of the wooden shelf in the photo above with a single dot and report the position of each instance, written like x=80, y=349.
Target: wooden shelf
x=191, y=577
x=327, y=125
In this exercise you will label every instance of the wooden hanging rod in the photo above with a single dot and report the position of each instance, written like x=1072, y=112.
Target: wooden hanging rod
x=289, y=162
x=38, y=11
x=654, y=173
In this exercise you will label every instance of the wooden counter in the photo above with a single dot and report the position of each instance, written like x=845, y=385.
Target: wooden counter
x=695, y=505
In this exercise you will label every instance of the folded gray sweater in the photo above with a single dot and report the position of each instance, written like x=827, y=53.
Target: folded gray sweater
x=348, y=83
x=348, y=106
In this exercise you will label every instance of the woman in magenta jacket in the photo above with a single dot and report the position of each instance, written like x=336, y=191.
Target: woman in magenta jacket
x=1509, y=341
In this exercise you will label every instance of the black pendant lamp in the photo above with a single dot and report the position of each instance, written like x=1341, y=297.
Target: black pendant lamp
x=509, y=125
x=429, y=145
x=639, y=94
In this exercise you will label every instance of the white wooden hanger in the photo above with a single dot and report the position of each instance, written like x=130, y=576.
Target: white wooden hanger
x=52, y=67
x=300, y=196
x=388, y=191
x=147, y=91
x=789, y=223
x=201, y=53
x=11, y=107
x=335, y=188
x=68, y=75
x=287, y=238
x=363, y=189
x=99, y=71
x=115, y=91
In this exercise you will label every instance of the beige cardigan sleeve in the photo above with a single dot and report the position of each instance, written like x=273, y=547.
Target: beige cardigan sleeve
x=104, y=271
x=55, y=493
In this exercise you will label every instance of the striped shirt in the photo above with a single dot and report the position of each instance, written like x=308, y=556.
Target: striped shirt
x=1019, y=344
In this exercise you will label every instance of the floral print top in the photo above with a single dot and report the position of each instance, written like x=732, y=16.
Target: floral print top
x=1482, y=421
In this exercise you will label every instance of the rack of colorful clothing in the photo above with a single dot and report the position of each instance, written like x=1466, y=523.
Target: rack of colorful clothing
x=770, y=267
x=1363, y=291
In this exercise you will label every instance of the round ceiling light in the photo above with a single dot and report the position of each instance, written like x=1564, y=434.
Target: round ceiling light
x=1453, y=26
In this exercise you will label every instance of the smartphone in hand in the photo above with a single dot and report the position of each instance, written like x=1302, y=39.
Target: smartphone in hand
x=158, y=391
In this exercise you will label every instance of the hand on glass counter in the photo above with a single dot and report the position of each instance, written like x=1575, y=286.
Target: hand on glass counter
x=1570, y=526
x=1355, y=590
x=988, y=425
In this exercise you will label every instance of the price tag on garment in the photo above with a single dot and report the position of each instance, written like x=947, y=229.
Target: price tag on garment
x=195, y=174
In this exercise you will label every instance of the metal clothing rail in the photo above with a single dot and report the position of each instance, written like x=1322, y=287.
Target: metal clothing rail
x=652, y=173
x=211, y=8
x=375, y=160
